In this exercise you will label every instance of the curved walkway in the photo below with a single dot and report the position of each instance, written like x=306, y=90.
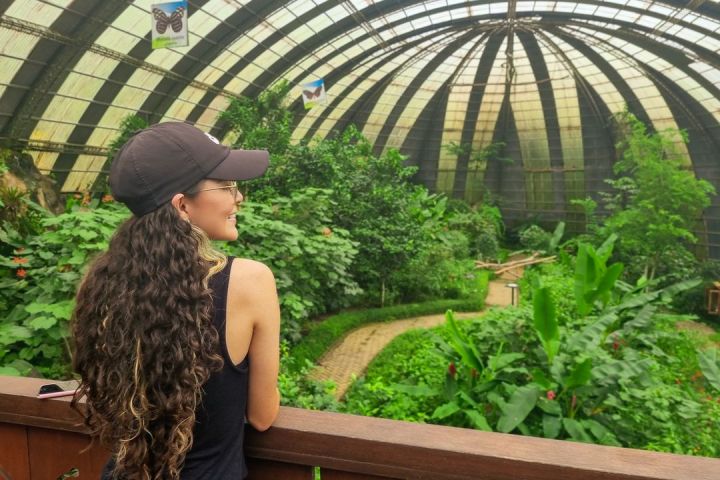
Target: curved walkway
x=356, y=350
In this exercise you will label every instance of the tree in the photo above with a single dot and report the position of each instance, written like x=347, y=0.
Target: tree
x=656, y=202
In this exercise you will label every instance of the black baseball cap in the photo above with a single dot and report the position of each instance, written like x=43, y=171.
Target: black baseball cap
x=168, y=158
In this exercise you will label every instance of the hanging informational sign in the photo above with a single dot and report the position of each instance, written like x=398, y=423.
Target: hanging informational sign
x=169, y=24
x=313, y=93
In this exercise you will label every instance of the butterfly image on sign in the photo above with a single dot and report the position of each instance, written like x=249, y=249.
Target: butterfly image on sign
x=313, y=93
x=174, y=20
x=169, y=24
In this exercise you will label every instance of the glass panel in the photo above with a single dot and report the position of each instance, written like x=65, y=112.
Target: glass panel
x=422, y=96
x=85, y=171
x=40, y=13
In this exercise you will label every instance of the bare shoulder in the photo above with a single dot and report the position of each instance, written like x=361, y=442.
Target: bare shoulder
x=246, y=270
x=251, y=283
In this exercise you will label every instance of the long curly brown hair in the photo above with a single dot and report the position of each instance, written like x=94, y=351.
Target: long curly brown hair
x=144, y=342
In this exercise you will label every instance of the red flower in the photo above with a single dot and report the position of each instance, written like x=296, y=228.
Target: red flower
x=550, y=395
x=107, y=198
x=19, y=260
x=21, y=272
x=616, y=345
x=452, y=370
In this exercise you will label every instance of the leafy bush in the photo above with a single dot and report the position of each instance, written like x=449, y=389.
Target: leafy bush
x=297, y=390
x=655, y=202
x=38, y=284
x=534, y=238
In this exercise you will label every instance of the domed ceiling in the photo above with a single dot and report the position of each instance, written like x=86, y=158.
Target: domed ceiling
x=540, y=78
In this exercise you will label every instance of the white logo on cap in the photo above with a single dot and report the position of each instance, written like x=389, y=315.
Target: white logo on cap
x=212, y=138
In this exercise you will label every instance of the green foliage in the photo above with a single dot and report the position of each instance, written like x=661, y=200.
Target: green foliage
x=656, y=201
x=37, y=285
x=481, y=224
x=262, y=122
x=710, y=366
x=479, y=158
x=18, y=213
x=535, y=238
x=297, y=390
x=128, y=126
x=593, y=280
x=621, y=374
x=545, y=322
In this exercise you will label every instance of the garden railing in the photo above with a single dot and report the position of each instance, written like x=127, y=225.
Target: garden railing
x=45, y=439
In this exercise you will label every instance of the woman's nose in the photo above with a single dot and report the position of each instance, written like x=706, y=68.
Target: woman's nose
x=239, y=197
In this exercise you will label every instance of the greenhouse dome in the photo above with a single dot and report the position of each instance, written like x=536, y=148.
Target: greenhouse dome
x=360, y=239
x=535, y=80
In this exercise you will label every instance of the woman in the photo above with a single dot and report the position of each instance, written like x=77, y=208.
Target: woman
x=177, y=345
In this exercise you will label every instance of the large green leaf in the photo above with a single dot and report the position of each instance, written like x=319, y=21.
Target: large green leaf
x=633, y=300
x=521, y=403
x=42, y=322
x=669, y=292
x=584, y=278
x=462, y=345
x=576, y=430
x=580, y=375
x=445, y=410
x=545, y=322
x=607, y=282
x=414, y=390
x=642, y=318
x=605, y=250
x=478, y=420
x=498, y=362
x=590, y=337
x=557, y=236
x=549, y=406
x=551, y=426
x=601, y=433
x=710, y=367
x=539, y=377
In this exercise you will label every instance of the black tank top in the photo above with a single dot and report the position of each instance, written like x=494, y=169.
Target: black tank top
x=217, y=450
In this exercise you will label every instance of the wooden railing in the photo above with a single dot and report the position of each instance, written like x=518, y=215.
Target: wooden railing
x=43, y=439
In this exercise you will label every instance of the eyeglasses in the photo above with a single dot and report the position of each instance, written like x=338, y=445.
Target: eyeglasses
x=233, y=189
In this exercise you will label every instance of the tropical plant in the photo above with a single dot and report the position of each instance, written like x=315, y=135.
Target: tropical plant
x=263, y=122
x=655, y=203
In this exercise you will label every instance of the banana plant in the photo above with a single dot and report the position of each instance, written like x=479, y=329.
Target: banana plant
x=564, y=380
x=594, y=280
x=472, y=377
x=710, y=366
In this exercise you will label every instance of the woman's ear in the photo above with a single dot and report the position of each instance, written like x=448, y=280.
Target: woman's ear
x=179, y=201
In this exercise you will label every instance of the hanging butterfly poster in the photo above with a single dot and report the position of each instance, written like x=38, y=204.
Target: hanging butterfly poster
x=313, y=93
x=169, y=24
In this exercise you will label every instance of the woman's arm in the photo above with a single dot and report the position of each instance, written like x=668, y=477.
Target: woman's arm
x=254, y=308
